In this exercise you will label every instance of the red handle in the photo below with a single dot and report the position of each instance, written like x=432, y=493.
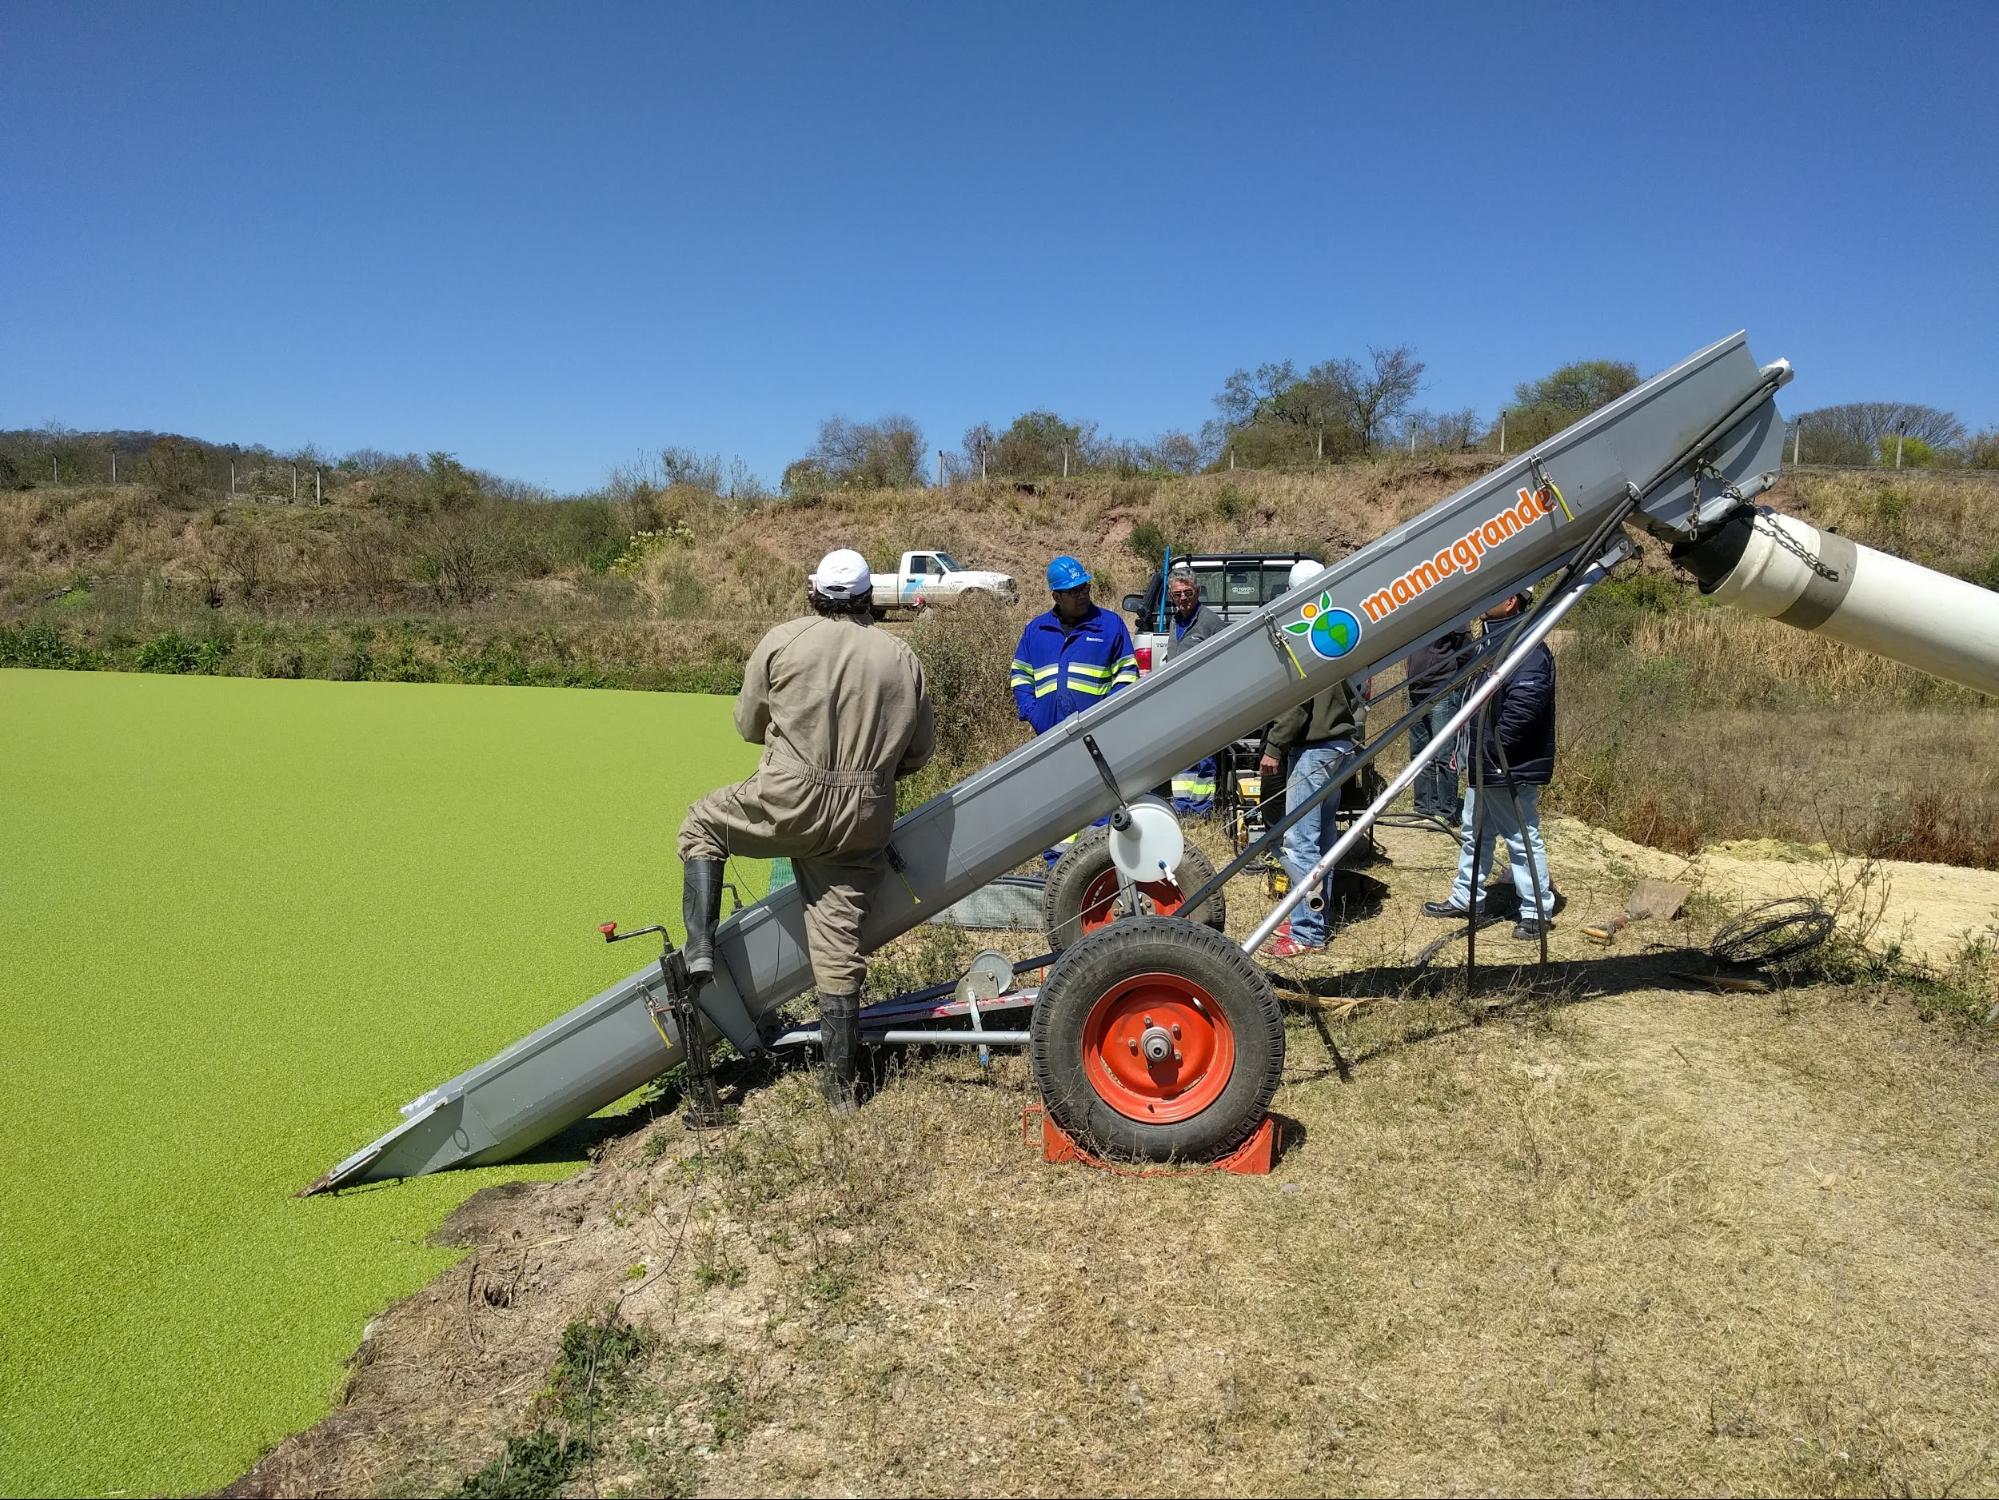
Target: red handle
x=609, y=929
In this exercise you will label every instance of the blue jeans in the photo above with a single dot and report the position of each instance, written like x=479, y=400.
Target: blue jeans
x=1437, y=782
x=1513, y=814
x=1312, y=835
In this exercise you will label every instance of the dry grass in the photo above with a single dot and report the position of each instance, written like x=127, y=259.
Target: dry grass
x=1598, y=1238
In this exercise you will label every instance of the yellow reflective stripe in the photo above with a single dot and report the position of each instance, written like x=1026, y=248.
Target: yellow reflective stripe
x=1042, y=672
x=1093, y=690
x=1127, y=661
x=1021, y=666
x=1125, y=679
x=1193, y=789
x=1044, y=689
x=1088, y=671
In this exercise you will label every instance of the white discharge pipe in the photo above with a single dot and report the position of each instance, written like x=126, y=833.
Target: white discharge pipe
x=1790, y=571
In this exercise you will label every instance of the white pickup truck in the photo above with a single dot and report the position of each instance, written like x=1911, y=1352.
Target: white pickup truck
x=927, y=578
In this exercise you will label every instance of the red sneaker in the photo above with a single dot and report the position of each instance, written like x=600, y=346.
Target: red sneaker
x=1286, y=946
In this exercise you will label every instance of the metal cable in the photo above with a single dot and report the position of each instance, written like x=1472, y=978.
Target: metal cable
x=1773, y=931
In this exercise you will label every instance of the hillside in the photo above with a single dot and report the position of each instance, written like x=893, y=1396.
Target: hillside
x=1681, y=723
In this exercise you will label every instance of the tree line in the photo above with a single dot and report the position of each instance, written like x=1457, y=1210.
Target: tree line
x=1274, y=415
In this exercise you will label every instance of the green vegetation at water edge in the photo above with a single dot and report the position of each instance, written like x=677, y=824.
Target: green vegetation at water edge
x=240, y=923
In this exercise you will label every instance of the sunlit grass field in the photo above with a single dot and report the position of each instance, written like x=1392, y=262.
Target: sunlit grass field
x=240, y=923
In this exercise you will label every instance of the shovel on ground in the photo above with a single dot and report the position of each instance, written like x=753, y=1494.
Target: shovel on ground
x=1649, y=898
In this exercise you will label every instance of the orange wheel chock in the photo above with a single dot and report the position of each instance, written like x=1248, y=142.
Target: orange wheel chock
x=1253, y=1158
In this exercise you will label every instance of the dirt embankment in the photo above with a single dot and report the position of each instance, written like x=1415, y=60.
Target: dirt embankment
x=1609, y=1235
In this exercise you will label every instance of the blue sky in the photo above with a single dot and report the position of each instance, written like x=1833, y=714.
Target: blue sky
x=545, y=237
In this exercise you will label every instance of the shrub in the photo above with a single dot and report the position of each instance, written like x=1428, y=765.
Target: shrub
x=169, y=652
x=1148, y=542
x=45, y=647
x=540, y=1463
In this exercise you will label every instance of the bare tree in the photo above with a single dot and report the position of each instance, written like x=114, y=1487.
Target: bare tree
x=1446, y=431
x=1178, y=453
x=1857, y=432
x=1381, y=391
x=176, y=470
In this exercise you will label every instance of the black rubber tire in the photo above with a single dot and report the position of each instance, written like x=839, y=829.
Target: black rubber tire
x=1144, y=945
x=1087, y=859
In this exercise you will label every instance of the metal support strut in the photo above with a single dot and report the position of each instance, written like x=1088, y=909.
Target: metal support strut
x=704, y=1104
x=1536, y=632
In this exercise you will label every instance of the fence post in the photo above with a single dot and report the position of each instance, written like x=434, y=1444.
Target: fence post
x=114, y=465
x=294, y=484
x=315, y=488
x=232, y=478
x=1502, y=432
x=940, y=468
x=1065, y=460
x=1797, y=442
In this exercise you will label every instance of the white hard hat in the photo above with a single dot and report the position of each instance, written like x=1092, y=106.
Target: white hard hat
x=1303, y=571
x=843, y=574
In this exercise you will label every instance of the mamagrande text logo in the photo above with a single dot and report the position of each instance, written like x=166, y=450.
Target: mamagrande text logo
x=1465, y=554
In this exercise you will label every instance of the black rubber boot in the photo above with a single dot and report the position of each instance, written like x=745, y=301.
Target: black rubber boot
x=840, y=1035
x=700, y=910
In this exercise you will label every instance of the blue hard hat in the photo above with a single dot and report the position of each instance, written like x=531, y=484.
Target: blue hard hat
x=1066, y=573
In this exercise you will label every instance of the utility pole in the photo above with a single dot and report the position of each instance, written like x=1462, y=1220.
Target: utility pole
x=1900, y=428
x=1065, y=460
x=982, y=458
x=1412, y=439
x=1797, y=442
x=315, y=488
x=294, y=484
x=232, y=478
x=1232, y=458
x=940, y=468
x=1502, y=432
x=114, y=465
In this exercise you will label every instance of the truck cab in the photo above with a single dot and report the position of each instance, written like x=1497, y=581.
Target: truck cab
x=933, y=576
x=1235, y=585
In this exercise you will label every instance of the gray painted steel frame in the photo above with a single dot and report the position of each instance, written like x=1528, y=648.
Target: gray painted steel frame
x=992, y=821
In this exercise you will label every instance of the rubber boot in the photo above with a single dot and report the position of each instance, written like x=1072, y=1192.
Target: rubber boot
x=840, y=1035
x=700, y=909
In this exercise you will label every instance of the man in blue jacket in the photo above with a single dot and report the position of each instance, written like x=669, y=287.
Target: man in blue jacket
x=1071, y=658
x=1516, y=759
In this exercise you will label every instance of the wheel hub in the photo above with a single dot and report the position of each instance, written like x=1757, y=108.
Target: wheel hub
x=1158, y=1048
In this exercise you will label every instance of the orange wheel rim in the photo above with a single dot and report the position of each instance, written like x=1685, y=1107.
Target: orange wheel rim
x=1100, y=899
x=1099, y=902
x=1157, y=1048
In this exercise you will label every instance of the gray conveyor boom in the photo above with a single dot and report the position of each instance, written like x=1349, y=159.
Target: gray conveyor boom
x=1680, y=442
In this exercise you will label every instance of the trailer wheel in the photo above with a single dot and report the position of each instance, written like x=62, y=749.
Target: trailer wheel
x=1081, y=895
x=1156, y=1039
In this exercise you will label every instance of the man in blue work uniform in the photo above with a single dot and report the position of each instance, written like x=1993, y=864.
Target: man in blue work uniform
x=1071, y=658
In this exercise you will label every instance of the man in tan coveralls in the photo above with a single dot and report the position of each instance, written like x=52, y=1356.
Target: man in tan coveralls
x=842, y=713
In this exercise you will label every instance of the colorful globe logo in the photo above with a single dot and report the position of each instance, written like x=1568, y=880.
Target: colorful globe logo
x=1331, y=632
